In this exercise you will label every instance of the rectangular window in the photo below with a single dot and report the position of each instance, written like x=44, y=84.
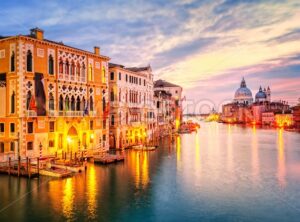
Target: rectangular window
x=60, y=139
x=140, y=81
x=112, y=76
x=12, y=146
x=51, y=126
x=51, y=143
x=30, y=127
x=120, y=77
x=144, y=82
x=12, y=127
x=126, y=78
x=2, y=127
x=104, y=138
x=91, y=125
x=1, y=147
x=29, y=145
x=104, y=124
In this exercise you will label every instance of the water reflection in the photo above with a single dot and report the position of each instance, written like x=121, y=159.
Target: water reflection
x=254, y=155
x=140, y=165
x=281, y=173
x=178, y=151
x=92, y=192
x=68, y=198
x=229, y=148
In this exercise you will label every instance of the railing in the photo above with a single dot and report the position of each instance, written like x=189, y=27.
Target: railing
x=52, y=113
x=31, y=113
x=72, y=78
x=82, y=78
x=70, y=113
x=92, y=113
x=2, y=134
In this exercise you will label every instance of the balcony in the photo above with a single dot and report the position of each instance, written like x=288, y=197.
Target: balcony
x=92, y=113
x=70, y=113
x=31, y=113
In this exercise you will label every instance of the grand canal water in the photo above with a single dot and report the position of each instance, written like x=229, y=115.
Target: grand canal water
x=222, y=173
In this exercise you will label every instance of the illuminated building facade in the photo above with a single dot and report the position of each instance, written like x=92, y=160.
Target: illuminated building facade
x=132, y=113
x=53, y=97
x=296, y=116
x=176, y=95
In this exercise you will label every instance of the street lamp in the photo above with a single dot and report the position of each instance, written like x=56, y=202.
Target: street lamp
x=41, y=149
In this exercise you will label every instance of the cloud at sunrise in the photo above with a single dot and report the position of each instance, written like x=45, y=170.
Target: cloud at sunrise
x=204, y=46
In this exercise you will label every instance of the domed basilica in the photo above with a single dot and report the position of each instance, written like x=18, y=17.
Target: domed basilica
x=243, y=95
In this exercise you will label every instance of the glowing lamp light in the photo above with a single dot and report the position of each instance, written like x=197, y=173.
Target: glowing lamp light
x=92, y=136
x=69, y=140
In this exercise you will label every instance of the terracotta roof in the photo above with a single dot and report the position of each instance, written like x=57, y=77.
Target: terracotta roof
x=138, y=69
x=112, y=65
x=163, y=83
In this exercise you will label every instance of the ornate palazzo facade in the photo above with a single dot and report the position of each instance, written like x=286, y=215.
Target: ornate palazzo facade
x=53, y=97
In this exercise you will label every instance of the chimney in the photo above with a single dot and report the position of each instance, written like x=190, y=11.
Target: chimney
x=97, y=50
x=37, y=33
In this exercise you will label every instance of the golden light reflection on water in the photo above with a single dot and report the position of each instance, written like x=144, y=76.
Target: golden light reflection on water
x=140, y=166
x=178, y=151
x=281, y=172
x=92, y=192
x=229, y=148
x=254, y=155
x=68, y=198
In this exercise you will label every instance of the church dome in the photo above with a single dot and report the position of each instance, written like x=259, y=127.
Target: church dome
x=243, y=94
x=260, y=94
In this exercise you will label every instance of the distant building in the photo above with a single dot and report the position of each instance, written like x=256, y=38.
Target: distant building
x=296, y=116
x=176, y=93
x=243, y=95
x=262, y=111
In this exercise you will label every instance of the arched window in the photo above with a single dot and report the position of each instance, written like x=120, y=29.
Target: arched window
x=126, y=118
x=28, y=99
x=120, y=118
x=91, y=103
x=78, y=71
x=83, y=104
x=120, y=96
x=104, y=74
x=67, y=103
x=73, y=103
x=13, y=101
x=112, y=120
x=51, y=64
x=61, y=103
x=103, y=104
x=83, y=70
x=90, y=72
x=51, y=101
x=12, y=62
x=78, y=103
x=112, y=95
x=29, y=61
x=72, y=69
x=61, y=66
x=67, y=70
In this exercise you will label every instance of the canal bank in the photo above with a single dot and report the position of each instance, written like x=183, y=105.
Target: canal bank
x=222, y=172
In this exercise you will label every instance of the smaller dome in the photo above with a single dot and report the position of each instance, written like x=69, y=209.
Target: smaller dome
x=260, y=94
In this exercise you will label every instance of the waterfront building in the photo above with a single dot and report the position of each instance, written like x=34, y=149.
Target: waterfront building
x=268, y=119
x=165, y=111
x=132, y=112
x=53, y=97
x=176, y=95
x=296, y=115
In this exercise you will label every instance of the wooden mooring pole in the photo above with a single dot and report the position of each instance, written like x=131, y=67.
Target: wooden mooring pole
x=19, y=165
x=9, y=165
x=29, y=168
x=38, y=166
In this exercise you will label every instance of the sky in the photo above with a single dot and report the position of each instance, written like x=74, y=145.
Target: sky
x=205, y=46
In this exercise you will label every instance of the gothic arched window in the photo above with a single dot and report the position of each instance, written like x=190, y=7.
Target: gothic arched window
x=90, y=72
x=29, y=61
x=12, y=62
x=51, y=64
x=78, y=103
x=67, y=71
x=112, y=120
x=61, y=103
x=13, y=102
x=83, y=70
x=28, y=99
x=91, y=103
x=72, y=69
x=73, y=103
x=61, y=66
x=67, y=103
x=51, y=101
